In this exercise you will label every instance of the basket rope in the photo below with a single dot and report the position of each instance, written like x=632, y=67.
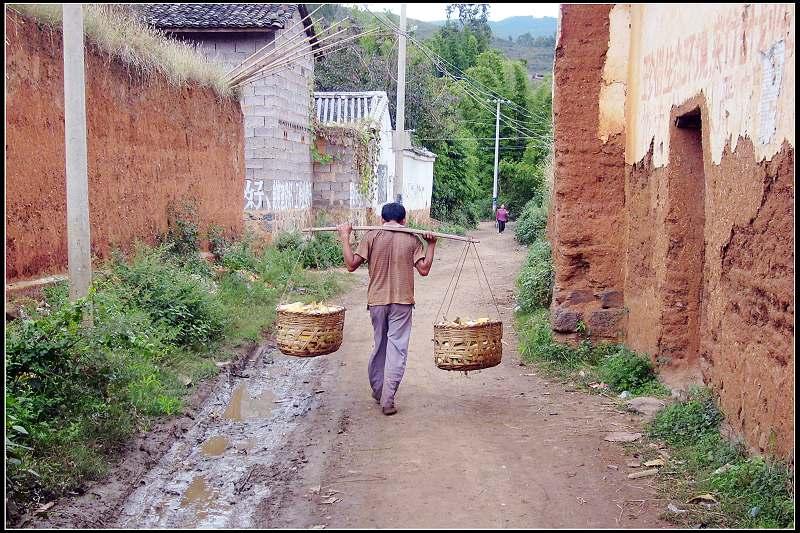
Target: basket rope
x=456, y=270
x=462, y=259
x=488, y=285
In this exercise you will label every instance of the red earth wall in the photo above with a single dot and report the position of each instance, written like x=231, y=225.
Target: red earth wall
x=589, y=185
x=150, y=144
x=697, y=258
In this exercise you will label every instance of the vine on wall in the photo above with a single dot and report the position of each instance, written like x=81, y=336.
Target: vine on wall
x=364, y=139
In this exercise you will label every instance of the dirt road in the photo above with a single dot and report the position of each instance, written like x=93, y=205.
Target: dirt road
x=288, y=442
x=497, y=448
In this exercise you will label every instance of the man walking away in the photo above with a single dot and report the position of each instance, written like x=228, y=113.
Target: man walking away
x=502, y=218
x=392, y=257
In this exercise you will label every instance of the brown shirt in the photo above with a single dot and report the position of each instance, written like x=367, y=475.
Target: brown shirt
x=391, y=256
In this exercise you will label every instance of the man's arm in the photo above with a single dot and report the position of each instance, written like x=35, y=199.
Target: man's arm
x=351, y=260
x=424, y=265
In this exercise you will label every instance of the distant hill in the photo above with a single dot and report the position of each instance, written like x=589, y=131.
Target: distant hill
x=510, y=27
x=515, y=26
x=538, y=56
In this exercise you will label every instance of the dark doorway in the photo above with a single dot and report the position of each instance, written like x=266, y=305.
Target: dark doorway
x=682, y=285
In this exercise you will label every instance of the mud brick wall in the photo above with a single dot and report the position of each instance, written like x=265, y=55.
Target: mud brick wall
x=149, y=144
x=689, y=239
x=735, y=326
x=277, y=110
x=589, y=185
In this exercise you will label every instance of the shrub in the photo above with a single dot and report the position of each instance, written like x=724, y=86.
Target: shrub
x=323, y=250
x=531, y=225
x=239, y=256
x=625, y=370
x=217, y=242
x=172, y=296
x=183, y=235
x=535, y=281
x=288, y=240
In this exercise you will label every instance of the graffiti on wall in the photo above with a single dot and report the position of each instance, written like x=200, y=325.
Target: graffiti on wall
x=285, y=195
x=738, y=57
x=254, y=195
x=710, y=53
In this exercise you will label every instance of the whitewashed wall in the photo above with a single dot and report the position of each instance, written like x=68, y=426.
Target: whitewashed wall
x=418, y=180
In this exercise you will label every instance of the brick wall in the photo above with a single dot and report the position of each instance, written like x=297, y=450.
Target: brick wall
x=335, y=190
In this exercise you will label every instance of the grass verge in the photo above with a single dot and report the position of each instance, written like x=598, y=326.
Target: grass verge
x=710, y=481
x=601, y=367
x=161, y=322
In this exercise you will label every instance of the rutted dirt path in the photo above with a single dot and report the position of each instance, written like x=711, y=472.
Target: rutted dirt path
x=288, y=442
x=497, y=448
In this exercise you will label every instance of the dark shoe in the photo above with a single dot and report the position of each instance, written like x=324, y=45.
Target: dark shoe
x=389, y=410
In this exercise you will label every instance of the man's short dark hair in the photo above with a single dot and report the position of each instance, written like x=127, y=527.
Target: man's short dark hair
x=393, y=211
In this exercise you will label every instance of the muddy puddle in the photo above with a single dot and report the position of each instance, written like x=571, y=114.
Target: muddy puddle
x=220, y=472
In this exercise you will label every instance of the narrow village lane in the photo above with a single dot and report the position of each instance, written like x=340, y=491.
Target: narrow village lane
x=296, y=442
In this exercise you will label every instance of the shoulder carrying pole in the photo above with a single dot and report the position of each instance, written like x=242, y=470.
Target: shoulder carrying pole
x=400, y=229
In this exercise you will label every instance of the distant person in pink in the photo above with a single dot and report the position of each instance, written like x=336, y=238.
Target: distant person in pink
x=502, y=218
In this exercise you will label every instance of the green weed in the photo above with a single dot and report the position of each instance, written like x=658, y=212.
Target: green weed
x=531, y=224
x=753, y=492
x=682, y=424
x=535, y=280
x=625, y=370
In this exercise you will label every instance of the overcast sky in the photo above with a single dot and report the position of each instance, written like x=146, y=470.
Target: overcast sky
x=426, y=11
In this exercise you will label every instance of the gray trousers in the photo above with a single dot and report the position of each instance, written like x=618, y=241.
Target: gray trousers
x=392, y=327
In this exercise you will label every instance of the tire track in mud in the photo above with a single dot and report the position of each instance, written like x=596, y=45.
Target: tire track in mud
x=235, y=463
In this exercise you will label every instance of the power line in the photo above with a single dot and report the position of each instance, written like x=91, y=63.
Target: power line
x=432, y=56
x=478, y=86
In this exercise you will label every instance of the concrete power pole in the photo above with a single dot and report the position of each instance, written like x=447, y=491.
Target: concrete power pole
x=400, y=118
x=78, y=238
x=496, y=155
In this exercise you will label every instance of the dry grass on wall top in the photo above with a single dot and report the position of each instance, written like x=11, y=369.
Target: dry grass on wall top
x=120, y=34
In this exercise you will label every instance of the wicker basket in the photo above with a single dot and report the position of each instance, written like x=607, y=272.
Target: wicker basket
x=468, y=347
x=309, y=335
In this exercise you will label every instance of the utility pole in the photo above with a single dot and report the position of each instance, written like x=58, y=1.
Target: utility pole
x=400, y=117
x=496, y=155
x=78, y=238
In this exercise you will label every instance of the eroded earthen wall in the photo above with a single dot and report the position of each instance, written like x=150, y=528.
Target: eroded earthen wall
x=698, y=245
x=149, y=144
x=589, y=184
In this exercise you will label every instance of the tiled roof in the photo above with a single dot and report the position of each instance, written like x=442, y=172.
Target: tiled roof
x=350, y=107
x=219, y=16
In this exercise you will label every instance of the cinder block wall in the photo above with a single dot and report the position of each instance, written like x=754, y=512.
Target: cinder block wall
x=335, y=195
x=277, y=111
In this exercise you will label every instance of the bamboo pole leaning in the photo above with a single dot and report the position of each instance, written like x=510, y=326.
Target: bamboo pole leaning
x=271, y=69
x=274, y=42
x=400, y=229
x=282, y=52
